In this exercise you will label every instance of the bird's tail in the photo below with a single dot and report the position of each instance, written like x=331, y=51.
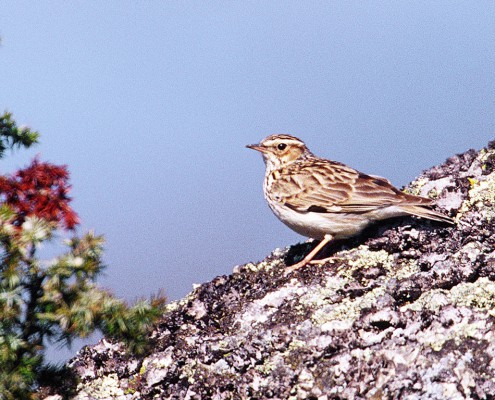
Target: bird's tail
x=424, y=212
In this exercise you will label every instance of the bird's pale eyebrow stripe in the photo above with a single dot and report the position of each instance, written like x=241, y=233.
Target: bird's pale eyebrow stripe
x=290, y=142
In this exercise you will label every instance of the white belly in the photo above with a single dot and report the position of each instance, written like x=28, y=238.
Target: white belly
x=339, y=225
x=317, y=225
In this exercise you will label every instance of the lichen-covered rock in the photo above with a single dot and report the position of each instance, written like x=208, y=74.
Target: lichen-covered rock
x=404, y=312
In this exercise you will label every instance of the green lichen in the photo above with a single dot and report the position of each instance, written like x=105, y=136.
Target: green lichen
x=484, y=156
x=264, y=265
x=479, y=295
x=483, y=191
x=347, y=310
x=366, y=259
x=363, y=258
x=431, y=300
x=405, y=269
x=194, y=371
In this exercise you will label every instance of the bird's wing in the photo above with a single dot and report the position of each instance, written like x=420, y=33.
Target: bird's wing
x=371, y=192
x=325, y=186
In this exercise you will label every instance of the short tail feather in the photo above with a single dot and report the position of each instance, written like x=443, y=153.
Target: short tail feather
x=423, y=212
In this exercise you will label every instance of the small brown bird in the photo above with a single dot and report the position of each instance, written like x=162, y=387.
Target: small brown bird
x=326, y=200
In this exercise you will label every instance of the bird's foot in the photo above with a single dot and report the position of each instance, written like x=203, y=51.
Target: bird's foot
x=309, y=258
x=295, y=267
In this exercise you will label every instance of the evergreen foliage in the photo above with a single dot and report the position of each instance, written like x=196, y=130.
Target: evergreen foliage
x=12, y=136
x=57, y=300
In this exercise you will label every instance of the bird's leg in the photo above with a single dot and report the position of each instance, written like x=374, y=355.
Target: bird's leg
x=308, y=259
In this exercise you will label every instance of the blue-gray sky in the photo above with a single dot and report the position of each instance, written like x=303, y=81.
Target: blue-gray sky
x=150, y=104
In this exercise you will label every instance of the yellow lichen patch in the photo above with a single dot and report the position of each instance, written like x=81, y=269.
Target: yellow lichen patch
x=473, y=182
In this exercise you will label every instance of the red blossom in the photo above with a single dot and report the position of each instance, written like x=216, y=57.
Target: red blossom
x=41, y=189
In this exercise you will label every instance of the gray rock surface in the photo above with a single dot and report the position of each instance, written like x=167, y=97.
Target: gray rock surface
x=404, y=312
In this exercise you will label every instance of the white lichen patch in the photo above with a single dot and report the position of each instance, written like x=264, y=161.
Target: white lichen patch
x=470, y=250
x=156, y=366
x=104, y=388
x=415, y=186
x=436, y=338
x=319, y=296
x=433, y=189
x=259, y=311
x=467, y=297
x=161, y=360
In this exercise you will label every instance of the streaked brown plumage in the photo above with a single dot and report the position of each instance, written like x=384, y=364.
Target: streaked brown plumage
x=326, y=200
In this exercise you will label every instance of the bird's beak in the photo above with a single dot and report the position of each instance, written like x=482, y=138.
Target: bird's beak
x=257, y=147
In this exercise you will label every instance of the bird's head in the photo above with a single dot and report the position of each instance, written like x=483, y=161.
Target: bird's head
x=280, y=150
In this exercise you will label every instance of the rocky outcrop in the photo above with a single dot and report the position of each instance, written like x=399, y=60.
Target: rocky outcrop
x=404, y=312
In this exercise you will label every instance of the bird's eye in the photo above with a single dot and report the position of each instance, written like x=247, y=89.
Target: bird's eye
x=281, y=146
